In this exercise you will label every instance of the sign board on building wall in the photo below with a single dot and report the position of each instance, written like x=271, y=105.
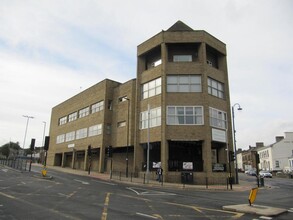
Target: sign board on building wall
x=187, y=166
x=70, y=145
x=219, y=135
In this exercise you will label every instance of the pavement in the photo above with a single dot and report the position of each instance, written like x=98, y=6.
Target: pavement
x=242, y=186
x=255, y=209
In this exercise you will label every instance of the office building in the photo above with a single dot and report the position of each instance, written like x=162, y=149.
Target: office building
x=178, y=107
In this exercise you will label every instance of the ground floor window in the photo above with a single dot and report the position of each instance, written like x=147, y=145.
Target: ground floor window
x=155, y=155
x=185, y=155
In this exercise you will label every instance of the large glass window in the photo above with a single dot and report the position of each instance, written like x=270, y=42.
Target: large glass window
x=215, y=88
x=182, y=58
x=151, y=88
x=99, y=106
x=72, y=117
x=70, y=136
x=81, y=133
x=155, y=118
x=184, y=115
x=218, y=118
x=60, y=139
x=95, y=130
x=63, y=120
x=184, y=83
x=84, y=112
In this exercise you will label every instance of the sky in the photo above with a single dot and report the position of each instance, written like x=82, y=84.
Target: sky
x=51, y=50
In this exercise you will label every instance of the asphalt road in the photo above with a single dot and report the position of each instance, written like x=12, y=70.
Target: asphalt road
x=67, y=196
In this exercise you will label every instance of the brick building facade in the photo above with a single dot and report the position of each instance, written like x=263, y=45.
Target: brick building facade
x=178, y=106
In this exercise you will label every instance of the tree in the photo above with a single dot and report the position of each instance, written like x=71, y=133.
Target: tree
x=6, y=148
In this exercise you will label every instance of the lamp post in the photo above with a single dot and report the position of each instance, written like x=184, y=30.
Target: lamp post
x=148, y=146
x=44, y=139
x=127, y=135
x=235, y=150
x=28, y=118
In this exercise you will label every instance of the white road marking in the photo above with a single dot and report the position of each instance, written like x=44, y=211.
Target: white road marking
x=83, y=182
x=145, y=215
x=4, y=170
x=265, y=217
x=147, y=192
x=112, y=184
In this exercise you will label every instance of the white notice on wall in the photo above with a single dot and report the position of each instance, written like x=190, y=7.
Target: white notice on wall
x=218, y=135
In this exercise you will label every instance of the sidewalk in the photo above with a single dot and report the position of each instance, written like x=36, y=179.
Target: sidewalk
x=242, y=186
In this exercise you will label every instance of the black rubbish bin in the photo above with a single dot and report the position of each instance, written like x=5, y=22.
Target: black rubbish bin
x=262, y=182
x=187, y=177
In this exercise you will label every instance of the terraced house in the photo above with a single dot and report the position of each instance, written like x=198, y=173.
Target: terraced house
x=178, y=107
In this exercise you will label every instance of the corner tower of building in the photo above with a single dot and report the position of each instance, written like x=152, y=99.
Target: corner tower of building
x=182, y=78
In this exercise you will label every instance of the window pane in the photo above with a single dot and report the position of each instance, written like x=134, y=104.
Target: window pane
x=172, y=88
x=183, y=88
x=172, y=80
x=183, y=79
x=195, y=88
x=180, y=120
x=189, y=120
x=180, y=110
x=195, y=79
x=152, y=92
x=171, y=110
x=189, y=110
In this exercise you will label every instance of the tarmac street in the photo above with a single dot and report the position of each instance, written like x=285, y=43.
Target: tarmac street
x=73, y=194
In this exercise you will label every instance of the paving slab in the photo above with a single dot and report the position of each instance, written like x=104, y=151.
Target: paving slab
x=255, y=209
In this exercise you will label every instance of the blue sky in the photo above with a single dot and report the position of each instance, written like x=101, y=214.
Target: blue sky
x=52, y=50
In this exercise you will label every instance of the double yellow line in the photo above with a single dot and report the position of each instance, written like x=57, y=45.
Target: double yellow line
x=105, y=210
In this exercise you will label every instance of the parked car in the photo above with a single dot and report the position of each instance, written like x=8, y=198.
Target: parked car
x=265, y=174
x=251, y=173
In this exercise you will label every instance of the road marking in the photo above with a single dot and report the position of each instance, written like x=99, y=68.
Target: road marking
x=6, y=195
x=199, y=209
x=5, y=170
x=147, y=192
x=105, y=210
x=83, y=182
x=265, y=217
x=145, y=215
x=67, y=196
x=112, y=184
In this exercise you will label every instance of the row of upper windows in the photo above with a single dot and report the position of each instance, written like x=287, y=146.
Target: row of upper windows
x=79, y=134
x=175, y=83
x=182, y=83
x=183, y=115
x=176, y=115
x=99, y=106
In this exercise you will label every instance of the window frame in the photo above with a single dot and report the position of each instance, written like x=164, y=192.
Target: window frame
x=214, y=88
x=98, y=106
x=62, y=120
x=156, y=89
x=187, y=83
x=95, y=130
x=176, y=117
x=84, y=112
x=155, y=118
x=215, y=121
x=81, y=133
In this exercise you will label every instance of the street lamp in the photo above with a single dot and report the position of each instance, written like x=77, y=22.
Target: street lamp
x=127, y=135
x=44, y=138
x=28, y=118
x=235, y=150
